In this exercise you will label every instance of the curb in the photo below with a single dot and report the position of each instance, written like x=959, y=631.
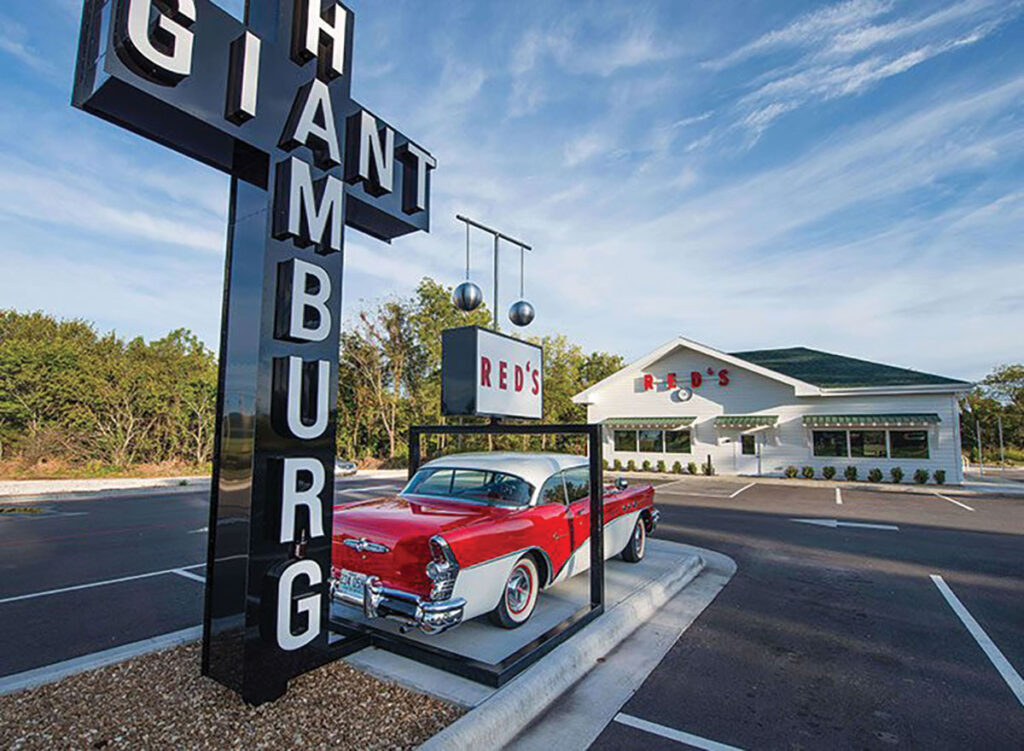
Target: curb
x=194, y=484
x=59, y=670
x=508, y=711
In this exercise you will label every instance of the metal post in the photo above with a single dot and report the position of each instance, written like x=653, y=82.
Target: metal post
x=596, y=517
x=981, y=457
x=496, y=283
x=759, y=442
x=414, y=451
x=1002, y=448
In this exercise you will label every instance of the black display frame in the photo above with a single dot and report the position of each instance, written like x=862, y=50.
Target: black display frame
x=499, y=673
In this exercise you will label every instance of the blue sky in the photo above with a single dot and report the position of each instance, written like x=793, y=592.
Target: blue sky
x=847, y=176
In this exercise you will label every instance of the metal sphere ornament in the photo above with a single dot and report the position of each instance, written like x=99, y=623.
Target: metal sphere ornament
x=467, y=297
x=521, y=313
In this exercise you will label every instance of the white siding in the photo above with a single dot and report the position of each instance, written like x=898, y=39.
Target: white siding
x=749, y=393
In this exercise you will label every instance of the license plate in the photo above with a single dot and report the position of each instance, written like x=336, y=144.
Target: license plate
x=352, y=583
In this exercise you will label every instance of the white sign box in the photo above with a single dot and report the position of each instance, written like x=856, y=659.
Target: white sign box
x=490, y=374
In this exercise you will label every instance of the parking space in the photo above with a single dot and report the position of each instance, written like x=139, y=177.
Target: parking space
x=88, y=574
x=833, y=633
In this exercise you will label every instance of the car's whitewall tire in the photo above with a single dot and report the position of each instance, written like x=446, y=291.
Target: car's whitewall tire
x=519, y=595
x=637, y=545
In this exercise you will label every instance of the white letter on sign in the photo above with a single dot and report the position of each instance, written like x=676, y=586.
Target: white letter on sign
x=366, y=142
x=310, y=605
x=169, y=66
x=297, y=213
x=308, y=27
x=303, y=315
x=292, y=497
x=313, y=106
x=295, y=392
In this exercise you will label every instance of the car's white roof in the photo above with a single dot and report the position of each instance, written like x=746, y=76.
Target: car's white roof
x=534, y=468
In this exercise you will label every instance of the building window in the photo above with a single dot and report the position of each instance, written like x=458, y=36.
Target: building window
x=869, y=444
x=677, y=441
x=830, y=443
x=625, y=440
x=748, y=444
x=651, y=441
x=909, y=444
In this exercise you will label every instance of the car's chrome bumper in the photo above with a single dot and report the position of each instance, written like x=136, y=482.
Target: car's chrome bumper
x=655, y=518
x=409, y=609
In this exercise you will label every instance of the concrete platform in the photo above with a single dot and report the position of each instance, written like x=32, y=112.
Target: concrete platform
x=481, y=640
x=665, y=563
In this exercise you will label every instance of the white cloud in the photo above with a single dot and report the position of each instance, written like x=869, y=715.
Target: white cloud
x=807, y=30
x=584, y=148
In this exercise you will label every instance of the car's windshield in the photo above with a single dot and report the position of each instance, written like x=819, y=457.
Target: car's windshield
x=481, y=486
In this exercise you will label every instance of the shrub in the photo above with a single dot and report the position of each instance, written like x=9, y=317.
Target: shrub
x=939, y=476
x=850, y=473
x=708, y=468
x=661, y=465
x=646, y=466
x=921, y=476
x=875, y=475
x=807, y=472
x=631, y=466
x=618, y=465
x=790, y=471
x=896, y=473
x=692, y=468
x=677, y=468
x=606, y=464
x=828, y=472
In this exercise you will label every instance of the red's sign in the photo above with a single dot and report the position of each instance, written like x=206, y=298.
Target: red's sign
x=671, y=380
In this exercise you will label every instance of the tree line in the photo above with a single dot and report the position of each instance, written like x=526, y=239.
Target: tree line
x=68, y=392
x=71, y=393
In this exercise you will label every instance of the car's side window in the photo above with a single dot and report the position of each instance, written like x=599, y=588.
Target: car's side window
x=577, y=483
x=553, y=491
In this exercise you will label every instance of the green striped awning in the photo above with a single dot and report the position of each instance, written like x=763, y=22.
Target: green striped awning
x=746, y=422
x=922, y=420
x=648, y=423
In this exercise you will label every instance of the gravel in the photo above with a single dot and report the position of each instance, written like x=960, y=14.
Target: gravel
x=160, y=701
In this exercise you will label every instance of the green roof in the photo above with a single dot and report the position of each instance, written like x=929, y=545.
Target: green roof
x=826, y=370
x=922, y=420
x=744, y=422
x=654, y=423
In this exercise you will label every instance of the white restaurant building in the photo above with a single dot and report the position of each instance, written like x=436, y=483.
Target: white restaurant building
x=758, y=412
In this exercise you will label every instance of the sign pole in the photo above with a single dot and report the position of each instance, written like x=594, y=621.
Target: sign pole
x=267, y=102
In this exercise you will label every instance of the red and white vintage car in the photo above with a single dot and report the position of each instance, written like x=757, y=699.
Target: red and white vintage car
x=475, y=534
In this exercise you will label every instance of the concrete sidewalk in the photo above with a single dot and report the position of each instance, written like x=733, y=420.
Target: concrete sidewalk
x=970, y=487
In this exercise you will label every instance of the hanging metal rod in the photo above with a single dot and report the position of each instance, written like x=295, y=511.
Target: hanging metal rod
x=499, y=235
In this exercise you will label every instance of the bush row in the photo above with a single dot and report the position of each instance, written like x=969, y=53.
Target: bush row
x=677, y=468
x=921, y=476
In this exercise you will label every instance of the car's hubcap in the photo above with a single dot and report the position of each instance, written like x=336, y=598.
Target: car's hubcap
x=518, y=590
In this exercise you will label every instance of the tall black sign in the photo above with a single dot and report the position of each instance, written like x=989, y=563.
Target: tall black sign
x=268, y=102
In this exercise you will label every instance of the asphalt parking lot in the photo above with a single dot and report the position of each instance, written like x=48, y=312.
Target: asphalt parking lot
x=80, y=576
x=859, y=620
x=834, y=632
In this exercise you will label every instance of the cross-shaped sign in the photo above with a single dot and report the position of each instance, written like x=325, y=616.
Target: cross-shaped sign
x=267, y=101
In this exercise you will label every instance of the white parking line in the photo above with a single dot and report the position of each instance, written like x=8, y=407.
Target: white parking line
x=1011, y=676
x=103, y=583
x=745, y=487
x=676, y=735
x=189, y=575
x=945, y=498
x=839, y=497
